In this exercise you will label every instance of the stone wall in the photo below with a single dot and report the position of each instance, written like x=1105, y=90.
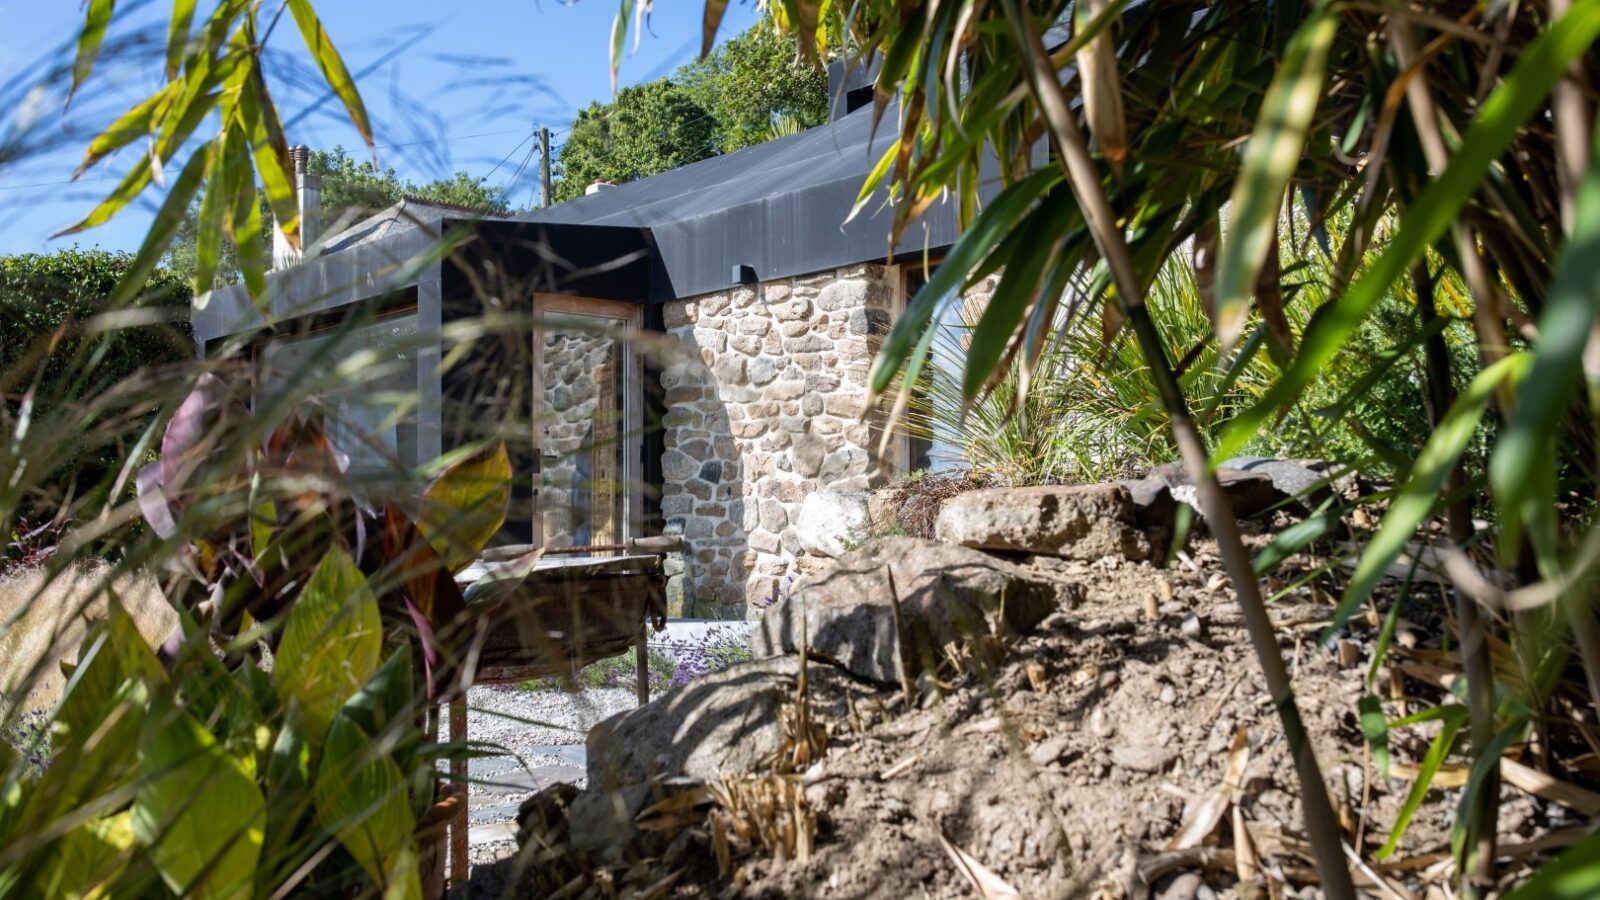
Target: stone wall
x=766, y=407
x=582, y=465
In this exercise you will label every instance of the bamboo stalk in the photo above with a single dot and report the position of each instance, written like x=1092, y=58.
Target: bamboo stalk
x=1321, y=824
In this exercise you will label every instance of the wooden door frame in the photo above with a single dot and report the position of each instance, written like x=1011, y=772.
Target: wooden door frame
x=631, y=316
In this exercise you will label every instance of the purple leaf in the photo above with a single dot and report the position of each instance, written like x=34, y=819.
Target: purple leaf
x=153, y=502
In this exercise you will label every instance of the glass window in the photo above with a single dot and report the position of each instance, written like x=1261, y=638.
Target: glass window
x=372, y=416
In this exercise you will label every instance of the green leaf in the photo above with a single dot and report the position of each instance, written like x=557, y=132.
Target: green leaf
x=95, y=21
x=178, y=35
x=466, y=505
x=1293, y=539
x=993, y=224
x=332, y=642
x=131, y=185
x=619, y=38
x=386, y=698
x=1269, y=160
x=361, y=797
x=208, y=239
x=244, y=220
x=1453, y=720
x=198, y=810
x=1574, y=875
x=87, y=859
x=1487, y=760
x=131, y=125
x=332, y=66
x=1528, y=442
x=1415, y=501
x=1375, y=729
x=1542, y=63
x=112, y=654
x=168, y=219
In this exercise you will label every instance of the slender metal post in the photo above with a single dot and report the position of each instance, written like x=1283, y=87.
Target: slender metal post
x=544, y=166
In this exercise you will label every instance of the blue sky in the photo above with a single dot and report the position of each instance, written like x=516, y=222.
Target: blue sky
x=449, y=88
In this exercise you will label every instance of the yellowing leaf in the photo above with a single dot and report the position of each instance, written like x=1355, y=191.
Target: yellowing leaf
x=466, y=505
x=198, y=810
x=361, y=797
x=331, y=643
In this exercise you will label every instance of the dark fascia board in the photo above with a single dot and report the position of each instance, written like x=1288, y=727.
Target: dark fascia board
x=512, y=259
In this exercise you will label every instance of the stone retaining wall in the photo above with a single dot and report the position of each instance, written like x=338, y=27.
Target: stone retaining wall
x=766, y=407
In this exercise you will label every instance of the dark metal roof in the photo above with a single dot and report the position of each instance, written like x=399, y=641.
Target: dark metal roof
x=778, y=207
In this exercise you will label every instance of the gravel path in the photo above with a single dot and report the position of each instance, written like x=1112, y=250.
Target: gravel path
x=542, y=735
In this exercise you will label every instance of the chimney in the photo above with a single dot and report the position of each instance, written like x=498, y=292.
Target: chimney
x=308, y=201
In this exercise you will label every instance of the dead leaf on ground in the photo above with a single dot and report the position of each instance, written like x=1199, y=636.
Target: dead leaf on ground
x=988, y=884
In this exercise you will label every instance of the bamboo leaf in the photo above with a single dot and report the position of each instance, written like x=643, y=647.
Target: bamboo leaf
x=1486, y=761
x=208, y=237
x=1269, y=160
x=129, y=126
x=619, y=38
x=96, y=19
x=993, y=224
x=331, y=643
x=178, y=35
x=1507, y=109
x=165, y=227
x=1416, y=499
x=1102, y=86
x=332, y=65
x=1528, y=441
x=1437, y=751
x=711, y=21
x=1375, y=730
x=1574, y=875
x=132, y=184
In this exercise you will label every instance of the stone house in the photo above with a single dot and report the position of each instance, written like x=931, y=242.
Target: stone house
x=700, y=362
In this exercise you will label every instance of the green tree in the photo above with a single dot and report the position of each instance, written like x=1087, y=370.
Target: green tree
x=754, y=86
x=649, y=128
x=351, y=190
x=47, y=302
x=748, y=90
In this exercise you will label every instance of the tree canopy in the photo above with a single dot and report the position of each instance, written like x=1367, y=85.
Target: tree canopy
x=748, y=90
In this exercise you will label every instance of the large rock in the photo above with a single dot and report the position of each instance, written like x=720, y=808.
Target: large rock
x=830, y=521
x=1084, y=522
x=722, y=723
x=946, y=594
x=1306, y=481
x=1249, y=493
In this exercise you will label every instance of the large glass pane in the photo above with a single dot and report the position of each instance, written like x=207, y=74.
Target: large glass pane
x=583, y=430
x=371, y=416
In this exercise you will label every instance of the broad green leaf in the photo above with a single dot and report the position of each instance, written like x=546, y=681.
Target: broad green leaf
x=386, y=698
x=1542, y=63
x=198, y=810
x=361, y=797
x=178, y=35
x=1431, y=761
x=288, y=783
x=1416, y=500
x=165, y=227
x=1269, y=160
x=466, y=505
x=1375, y=729
x=1574, y=875
x=96, y=19
x=332, y=66
x=86, y=860
x=1528, y=442
x=331, y=643
x=112, y=654
x=405, y=875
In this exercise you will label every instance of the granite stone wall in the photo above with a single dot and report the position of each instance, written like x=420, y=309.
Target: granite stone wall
x=767, y=426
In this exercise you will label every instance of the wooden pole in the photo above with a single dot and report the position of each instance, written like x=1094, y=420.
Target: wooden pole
x=459, y=846
x=544, y=166
x=641, y=662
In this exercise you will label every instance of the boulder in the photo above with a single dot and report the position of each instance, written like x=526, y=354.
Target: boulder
x=946, y=594
x=724, y=723
x=1083, y=522
x=1249, y=493
x=1306, y=480
x=830, y=521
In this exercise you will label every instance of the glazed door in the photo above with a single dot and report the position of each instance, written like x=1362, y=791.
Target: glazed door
x=586, y=422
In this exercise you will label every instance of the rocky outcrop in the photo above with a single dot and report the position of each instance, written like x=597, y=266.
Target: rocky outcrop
x=946, y=594
x=725, y=723
x=1083, y=522
x=830, y=521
